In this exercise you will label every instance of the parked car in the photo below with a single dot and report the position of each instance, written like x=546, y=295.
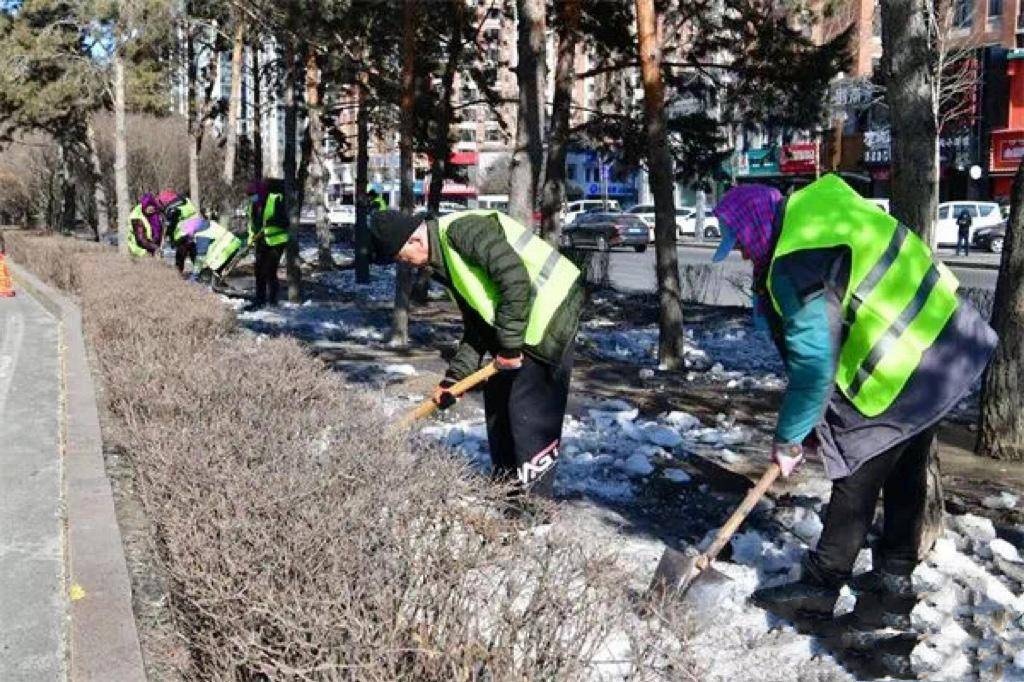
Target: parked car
x=880, y=203
x=446, y=207
x=685, y=224
x=990, y=238
x=603, y=231
x=575, y=208
x=983, y=214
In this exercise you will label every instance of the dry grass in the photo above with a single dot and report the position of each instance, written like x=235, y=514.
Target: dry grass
x=303, y=537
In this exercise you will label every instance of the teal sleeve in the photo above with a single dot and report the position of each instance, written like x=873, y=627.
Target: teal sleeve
x=809, y=361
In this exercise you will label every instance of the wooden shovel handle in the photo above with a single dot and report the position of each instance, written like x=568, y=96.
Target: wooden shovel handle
x=754, y=495
x=428, y=406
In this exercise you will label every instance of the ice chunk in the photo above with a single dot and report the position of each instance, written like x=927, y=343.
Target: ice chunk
x=1004, y=500
x=665, y=436
x=454, y=437
x=1004, y=550
x=1018, y=660
x=684, y=421
x=402, y=370
x=677, y=475
x=975, y=528
x=636, y=465
x=730, y=457
x=928, y=618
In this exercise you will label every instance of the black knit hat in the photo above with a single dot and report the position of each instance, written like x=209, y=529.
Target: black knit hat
x=389, y=231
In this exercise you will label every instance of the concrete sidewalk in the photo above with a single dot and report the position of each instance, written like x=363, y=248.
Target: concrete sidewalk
x=33, y=602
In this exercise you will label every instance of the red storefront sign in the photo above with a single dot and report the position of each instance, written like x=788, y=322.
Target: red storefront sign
x=1007, y=150
x=799, y=158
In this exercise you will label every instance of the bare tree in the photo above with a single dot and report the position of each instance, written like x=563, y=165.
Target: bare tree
x=670, y=337
x=528, y=156
x=315, y=114
x=362, y=235
x=257, y=110
x=235, y=103
x=292, y=59
x=1001, y=431
x=100, y=200
x=121, y=154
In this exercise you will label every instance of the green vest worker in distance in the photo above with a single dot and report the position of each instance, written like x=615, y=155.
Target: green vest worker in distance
x=267, y=223
x=147, y=227
x=878, y=348
x=520, y=302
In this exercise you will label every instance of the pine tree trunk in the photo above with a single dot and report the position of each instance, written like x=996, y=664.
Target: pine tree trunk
x=195, y=126
x=553, y=194
x=100, y=201
x=362, y=236
x=907, y=62
x=670, y=334
x=124, y=206
x=294, y=274
x=932, y=526
x=528, y=155
x=442, y=147
x=315, y=113
x=1001, y=432
x=257, y=111
x=700, y=205
x=234, y=106
x=407, y=123
x=67, y=188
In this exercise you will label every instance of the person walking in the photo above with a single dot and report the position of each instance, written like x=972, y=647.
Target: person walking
x=963, y=232
x=520, y=302
x=147, y=227
x=878, y=347
x=267, y=222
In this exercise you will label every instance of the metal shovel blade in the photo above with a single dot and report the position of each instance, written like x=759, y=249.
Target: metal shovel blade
x=677, y=571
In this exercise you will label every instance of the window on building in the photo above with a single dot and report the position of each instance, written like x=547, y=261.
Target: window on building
x=494, y=13
x=570, y=171
x=876, y=20
x=963, y=11
x=493, y=135
x=467, y=135
x=995, y=9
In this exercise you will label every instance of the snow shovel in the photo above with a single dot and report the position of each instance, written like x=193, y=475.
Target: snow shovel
x=428, y=406
x=677, y=571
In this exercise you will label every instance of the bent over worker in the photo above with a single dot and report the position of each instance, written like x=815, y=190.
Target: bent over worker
x=147, y=228
x=267, y=222
x=209, y=244
x=520, y=302
x=878, y=348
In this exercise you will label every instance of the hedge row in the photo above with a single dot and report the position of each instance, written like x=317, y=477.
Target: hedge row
x=303, y=537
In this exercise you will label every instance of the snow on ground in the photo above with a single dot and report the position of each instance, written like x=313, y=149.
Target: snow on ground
x=970, y=619
x=734, y=354
x=322, y=321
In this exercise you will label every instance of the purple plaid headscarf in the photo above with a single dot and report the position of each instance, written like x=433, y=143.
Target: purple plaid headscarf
x=749, y=211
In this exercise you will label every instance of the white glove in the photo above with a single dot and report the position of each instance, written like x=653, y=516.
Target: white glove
x=788, y=456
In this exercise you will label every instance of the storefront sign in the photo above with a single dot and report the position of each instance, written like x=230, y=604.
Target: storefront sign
x=1007, y=150
x=877, y=147
x=760, y=162
x=799, y=158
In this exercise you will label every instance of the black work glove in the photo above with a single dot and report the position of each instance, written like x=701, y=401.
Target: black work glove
x=443, y=396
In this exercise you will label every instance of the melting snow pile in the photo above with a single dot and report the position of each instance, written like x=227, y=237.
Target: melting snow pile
x=310, y=320
x=969, y=621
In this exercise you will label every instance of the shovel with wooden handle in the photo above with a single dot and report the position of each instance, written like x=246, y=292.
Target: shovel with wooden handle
x=428, y=406
x=677, y=571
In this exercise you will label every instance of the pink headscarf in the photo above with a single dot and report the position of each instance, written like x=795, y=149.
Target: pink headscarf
x=749, y=211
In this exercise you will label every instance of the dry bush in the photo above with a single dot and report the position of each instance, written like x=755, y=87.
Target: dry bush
x=304, y=538
x=51, y=258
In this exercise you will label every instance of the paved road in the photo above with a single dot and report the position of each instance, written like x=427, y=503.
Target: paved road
x=635, y=272
x=33, y=609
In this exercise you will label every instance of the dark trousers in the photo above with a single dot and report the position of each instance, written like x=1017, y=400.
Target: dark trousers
x=901, y=474
x=268, y=259
x=524, y=410
x=964, y=242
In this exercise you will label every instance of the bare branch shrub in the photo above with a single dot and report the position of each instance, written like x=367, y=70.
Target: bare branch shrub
x=304, y=538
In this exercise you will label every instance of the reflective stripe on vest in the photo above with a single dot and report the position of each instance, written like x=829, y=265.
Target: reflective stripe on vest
x=551, y=275
x=223, y=245
x=898, y=298
x=133, y=246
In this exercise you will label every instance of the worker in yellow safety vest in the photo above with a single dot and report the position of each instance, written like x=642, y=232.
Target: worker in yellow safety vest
x=267, y=222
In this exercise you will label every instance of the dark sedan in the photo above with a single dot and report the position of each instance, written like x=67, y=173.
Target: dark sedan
x=602, y=231
x=990, y=238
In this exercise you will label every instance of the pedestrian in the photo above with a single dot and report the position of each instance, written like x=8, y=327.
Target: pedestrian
x=267, y=221
x=878, y=348
x=147, y=228
x=520, y=302
x=963, y=232
x=376, y=201
x=207, y=243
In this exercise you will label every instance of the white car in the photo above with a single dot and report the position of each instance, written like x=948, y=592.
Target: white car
x=983, y=214
x=685, y=223
x=446, y=207
x=880, y=203
x=574, y=209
